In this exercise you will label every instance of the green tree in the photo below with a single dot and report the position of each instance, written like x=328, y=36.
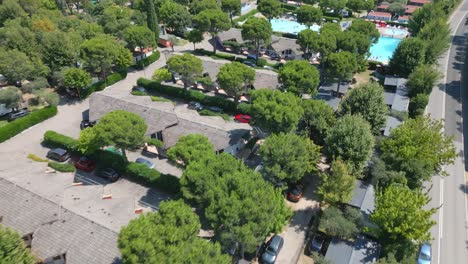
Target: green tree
x=299, y=77
x=436, y=35
x=365, y=27
x=10, y=97
x=269, y=8
x=233, y=196
x=382, y=176
x=17, y=66
x=341, y=66
x=426, y=14
x=333, y=4
x=422, y=80
x=100, y=53
x=47, y=96
x=309, y=15
x=351, y=140
x=232, y=7
x=187, y=65
x=367, y=100
x=212, y=21
x=161, y=75
x=355, y=43
x=289, y=164
x=195, y=36
x=139, y=37
x=396, y=8
x=12, y=248
x=16, y=36
x=418, y=148
x=337, y=186
x=76, y=78
x=121, y=129
x=276, y=111
x=10, y=9
x=160, y=237
x=191, y=148
x=417, y=105
x=175, y=16
x=399, y=213
x=319, y=117
x=115, y=20
x=408, y=55
x=336, y=223
x=309, y=41
x=358, y=5
x=197, y=6
x=258, y=31
x=60, y=49
x=234, y=77
x=151, y=19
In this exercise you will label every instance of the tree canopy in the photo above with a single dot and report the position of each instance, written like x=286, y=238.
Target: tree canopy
x=365, y=27
x=197, y=6
x=234, y=78
x=418, y=148
x=175, y=16
x=336, y=187
x=341, y=65
x=139, y=37
x=400, y=215
x=351, y=140
x=257, y=30
x=276, y=111
x=76, y=78
x=233, y=198
x=187, y=65
x=424, y=15
x=367, y=100
x=269, y=8
x=191, y=148
x=341, y=224
x=408, y=55
x=160, y=237
x=332, y=4
x=309, y=15
x=422, y=80
x=231, y=7
x=12, y=248
x=10, y=97
x=436, y=35
x=17, y=66
x=319, y=117
x=299, y=77
x=289, y=164
x=212, y=21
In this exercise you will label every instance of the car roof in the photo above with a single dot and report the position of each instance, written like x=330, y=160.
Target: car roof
x=426, y=249
x=275, y=241
x=59, y=151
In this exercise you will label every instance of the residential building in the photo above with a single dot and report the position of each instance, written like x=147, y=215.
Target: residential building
x=285, y=48
x=419, y=2
x=382, y=7
x=383, y=16
x=55, y=235
x=361, y=251
x=138, y=54
x=168, y=122
x=403, y=19
x=232, y=34
x=396, y=98
x=363, y=199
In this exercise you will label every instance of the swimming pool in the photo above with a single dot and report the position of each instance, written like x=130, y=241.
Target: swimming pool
x=245, y=9
x=383, y=50
x=289, y=26
x=395, y=32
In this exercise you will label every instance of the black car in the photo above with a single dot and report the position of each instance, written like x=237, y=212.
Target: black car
x=275, y=56
x=58, y=154
x=86, y=123
x=249, y=63
x=17, y=114
x=195, y=106
x=316, y=243
x=110, y=174
x=138, y=89
x=215, y=109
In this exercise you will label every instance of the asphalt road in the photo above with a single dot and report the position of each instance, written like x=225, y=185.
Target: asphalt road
x=450, y=244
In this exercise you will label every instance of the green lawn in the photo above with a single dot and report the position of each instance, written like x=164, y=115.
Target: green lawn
x=3, y=122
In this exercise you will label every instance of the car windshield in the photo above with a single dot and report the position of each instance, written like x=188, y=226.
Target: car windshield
x=424, y=256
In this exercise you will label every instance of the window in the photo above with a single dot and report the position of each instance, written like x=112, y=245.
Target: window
x=159, y=135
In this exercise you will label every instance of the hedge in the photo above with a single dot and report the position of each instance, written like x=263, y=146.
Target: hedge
x=57, y=140
x=19, y=125
x=99, y=86
x=289, y=7
x=148, y=60
x=62, y=167
x=189, y=95
x=143, y=174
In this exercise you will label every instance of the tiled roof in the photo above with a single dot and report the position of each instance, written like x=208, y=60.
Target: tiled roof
x=379, y=14
x=280, y=44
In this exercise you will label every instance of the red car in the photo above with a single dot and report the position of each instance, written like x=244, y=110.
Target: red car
x=85, y=164
x=243, y=118
x=295, y=193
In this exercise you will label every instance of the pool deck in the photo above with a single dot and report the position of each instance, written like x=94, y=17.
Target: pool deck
x=384, y=32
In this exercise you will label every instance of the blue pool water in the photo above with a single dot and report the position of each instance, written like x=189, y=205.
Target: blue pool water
x=289, y=26
x=383, y=50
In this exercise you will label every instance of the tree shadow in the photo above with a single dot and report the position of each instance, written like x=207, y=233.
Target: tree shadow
x=464, y=188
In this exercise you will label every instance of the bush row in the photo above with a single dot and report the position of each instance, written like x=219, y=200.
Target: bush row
x=189, y=95
x=148, y=60
x=62, y=167
x=14, y=128
x=56, y=140
x=153, y=178
x=99, y=86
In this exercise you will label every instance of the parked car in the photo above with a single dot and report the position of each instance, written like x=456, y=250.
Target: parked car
x=110, y=174
x=250, y=63
x=316, y=243
x=424, y=256
x=58, y=154
x=243, y=118
x=85, y=164
x=275, y=56
x=295, y=193
x=86, y=123
x=252, y=57
x=138, y=89
x=17, y=114
x=273, y=247
x=215, y=109
x=195, y=106
x=146, y=162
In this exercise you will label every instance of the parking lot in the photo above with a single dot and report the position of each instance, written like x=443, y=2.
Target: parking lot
x=110, y=204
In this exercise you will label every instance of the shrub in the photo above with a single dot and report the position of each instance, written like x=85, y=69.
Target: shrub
x=205, y=112
x=57, y=140
x=37, y=84
x=189, y=95
x=148, y=60
x=139, y=93
x=107, y=159
x=12, y=129
x=98, y=86
x=289, y=7
x=142, y=174
x=154, y=142
x=244, y=108
x=36, y=158
x=115, y=77
x=262, y=62
x=417, y=105
x=160, y=99
x=62, y=167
